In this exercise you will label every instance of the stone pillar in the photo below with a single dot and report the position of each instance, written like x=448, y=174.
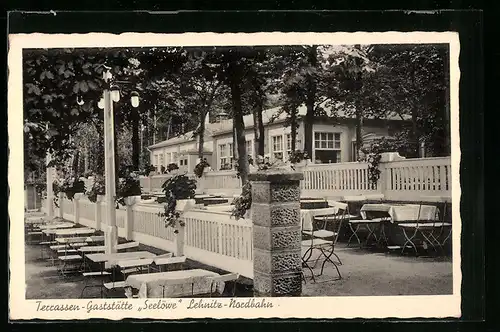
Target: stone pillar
x=61, y=209
x=276, y=233
x=98, y=212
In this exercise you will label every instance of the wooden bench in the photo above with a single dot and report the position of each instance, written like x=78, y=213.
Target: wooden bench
x=166, y=261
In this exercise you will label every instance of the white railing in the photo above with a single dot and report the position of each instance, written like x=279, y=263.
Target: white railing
x=412, y=178
x=406, y=179
x=217, y=238
x=212, y=238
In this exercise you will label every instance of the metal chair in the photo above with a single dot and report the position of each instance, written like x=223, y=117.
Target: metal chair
x=429, y=231
x=322, y=237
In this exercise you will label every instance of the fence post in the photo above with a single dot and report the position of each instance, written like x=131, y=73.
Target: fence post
x=98, y=212
x=179, y=239
x=129, y=219
x=382, y=181
x=61, y=209
x=76, y=202
x=277, y=238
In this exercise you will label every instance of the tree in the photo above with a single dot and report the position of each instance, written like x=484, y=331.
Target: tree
x=415, y=84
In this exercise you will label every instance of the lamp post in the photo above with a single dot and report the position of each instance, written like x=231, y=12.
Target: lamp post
x=111, y=95
x=50, y=192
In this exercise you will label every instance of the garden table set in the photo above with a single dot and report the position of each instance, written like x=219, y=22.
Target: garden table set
x=412, y=219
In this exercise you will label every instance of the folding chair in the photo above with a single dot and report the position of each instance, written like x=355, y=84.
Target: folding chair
x=223, y=278
x=427, y=231
x=322, y=238
x=372, y=225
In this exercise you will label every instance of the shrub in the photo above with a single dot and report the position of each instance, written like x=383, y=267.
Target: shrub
x=128, y=186
x=177, y=187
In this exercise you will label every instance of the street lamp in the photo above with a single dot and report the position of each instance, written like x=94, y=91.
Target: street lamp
x=110, y=95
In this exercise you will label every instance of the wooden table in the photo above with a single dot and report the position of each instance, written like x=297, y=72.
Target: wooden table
x=307, y=216
x=57, y=225
x=70, y=231
x=152, y=285
x=112, y=258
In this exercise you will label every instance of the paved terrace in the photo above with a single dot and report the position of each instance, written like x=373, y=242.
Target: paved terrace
x=365, y=273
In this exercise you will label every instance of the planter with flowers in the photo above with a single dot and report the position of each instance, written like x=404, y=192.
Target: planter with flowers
x=129, y=190
x=199, y=169
x=98, y=189
x=72, y=186
x=179, y=194
x=373, y=160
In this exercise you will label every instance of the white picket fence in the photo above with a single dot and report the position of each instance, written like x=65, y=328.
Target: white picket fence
x=212, y=238
x=406, y=180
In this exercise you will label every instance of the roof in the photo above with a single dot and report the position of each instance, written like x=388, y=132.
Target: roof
x=226, y=126
x=184, y=138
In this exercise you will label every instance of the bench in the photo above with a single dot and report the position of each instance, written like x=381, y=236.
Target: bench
x=115, y=285
x=69, y=259
x=94, y=275
x=166, y=261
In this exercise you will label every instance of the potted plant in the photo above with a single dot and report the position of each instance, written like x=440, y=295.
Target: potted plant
x=72, y=186
x=171, y=167
x=98, y=189
x=129, y=189
x=200, y=168
x=179, y=193
x=243, y=203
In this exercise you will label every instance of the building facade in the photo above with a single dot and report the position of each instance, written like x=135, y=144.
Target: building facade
x=334, y=141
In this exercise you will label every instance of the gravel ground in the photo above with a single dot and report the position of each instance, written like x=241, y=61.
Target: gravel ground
x=364, y=272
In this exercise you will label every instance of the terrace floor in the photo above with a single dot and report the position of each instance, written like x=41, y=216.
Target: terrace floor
x=365, y=273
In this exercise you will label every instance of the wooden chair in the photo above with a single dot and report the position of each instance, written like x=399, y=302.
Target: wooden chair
x=223, y=278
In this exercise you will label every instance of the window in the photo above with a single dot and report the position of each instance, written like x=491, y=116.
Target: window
x=231, y=153
x=168, y=157
x=223, y=155
x=249, y=146
x=288, y=143
x=277, y=145
x=161, y=160
x=327, y=147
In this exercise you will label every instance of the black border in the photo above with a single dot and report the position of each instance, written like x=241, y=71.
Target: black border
x=468, y=23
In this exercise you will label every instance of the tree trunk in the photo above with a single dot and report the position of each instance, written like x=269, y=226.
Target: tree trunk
x=447, y=131
x=136, y=142
x=293, y=130
x=201, y=135
x=117, y=159
x=414, y=137
x=239, y=126
x=258, y=129
x=310, y=101
x=359, y=129
x=76, y=168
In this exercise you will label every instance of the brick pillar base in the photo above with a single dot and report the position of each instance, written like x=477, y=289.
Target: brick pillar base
x=276, y=233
